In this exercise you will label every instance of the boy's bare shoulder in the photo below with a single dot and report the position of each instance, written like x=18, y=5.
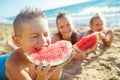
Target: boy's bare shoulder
x=11, y=62
x=14, y=59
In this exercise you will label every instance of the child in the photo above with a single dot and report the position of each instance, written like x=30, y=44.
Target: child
x=97, y=25
x=30, y=33
x=66, y=31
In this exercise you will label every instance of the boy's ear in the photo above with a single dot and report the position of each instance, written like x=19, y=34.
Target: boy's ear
x=16, y=40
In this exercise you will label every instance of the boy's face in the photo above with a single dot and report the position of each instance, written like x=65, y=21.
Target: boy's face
x=65, y=26
x=34, y=35
x=97, y=25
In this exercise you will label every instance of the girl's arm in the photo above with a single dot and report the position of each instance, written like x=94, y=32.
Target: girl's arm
x=108, y=38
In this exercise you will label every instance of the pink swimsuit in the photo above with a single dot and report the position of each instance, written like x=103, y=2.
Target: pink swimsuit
x=82, y=34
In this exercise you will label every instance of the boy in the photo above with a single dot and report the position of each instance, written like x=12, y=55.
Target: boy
x=30, y=33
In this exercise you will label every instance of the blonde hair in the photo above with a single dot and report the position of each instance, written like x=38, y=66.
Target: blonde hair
x=98, y=15
x=62, y=14
x=25, y=15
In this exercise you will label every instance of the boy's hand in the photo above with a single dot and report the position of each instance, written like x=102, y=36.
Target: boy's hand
x=43, y=73
x=77, y=55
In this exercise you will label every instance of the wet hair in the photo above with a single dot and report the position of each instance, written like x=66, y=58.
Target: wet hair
x=62, y=14
x=26, y=15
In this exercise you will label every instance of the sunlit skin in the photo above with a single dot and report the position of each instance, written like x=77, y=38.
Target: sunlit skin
x=34, y=35
x=65, y=27
x=97, y=25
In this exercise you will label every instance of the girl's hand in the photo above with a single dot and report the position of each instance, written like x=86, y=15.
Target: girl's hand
x=107, y=38
x=77, y=54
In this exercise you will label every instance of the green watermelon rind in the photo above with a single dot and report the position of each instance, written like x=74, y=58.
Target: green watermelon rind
x=54, y=63
x=98, y=36
x=28, y=58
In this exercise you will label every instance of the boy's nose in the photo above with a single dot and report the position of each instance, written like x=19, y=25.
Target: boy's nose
x=43, y=40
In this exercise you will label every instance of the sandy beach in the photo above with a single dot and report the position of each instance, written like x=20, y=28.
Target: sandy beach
x=101, y=65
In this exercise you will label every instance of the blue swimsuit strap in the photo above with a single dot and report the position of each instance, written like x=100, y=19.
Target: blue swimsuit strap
x=3, y=59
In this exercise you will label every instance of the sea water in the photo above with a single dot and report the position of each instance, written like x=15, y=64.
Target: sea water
x=82, y=12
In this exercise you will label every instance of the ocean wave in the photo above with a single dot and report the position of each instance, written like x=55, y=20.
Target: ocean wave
x=93, y=10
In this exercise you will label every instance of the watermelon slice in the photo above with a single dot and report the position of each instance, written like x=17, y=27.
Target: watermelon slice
x=106, y=34
x=88, y=43
x=55, y=54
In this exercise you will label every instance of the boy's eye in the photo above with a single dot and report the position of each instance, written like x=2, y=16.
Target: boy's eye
x=34, y=36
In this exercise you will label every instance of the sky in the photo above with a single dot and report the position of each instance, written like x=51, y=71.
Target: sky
x=10, y=8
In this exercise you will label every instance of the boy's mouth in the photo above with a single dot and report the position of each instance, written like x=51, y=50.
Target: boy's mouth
x=41, y=47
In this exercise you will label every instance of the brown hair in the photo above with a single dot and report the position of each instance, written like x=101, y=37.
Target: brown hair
x=62, y=14
x=25, y=15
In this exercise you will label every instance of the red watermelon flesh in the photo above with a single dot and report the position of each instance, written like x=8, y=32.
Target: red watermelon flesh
x=55, y=54
x=87, y=43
